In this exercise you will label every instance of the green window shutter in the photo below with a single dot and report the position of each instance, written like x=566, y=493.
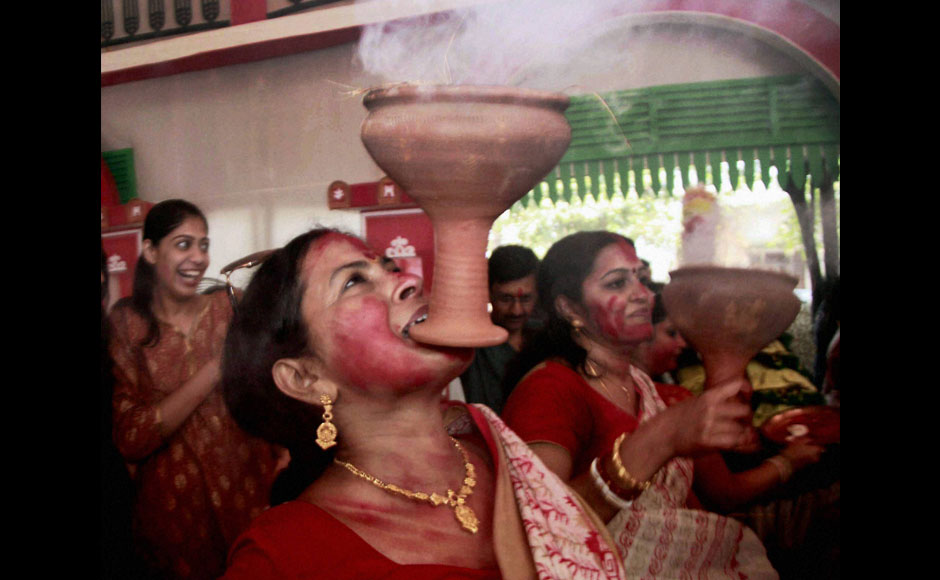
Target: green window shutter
x=643, y=136
x=121, y=164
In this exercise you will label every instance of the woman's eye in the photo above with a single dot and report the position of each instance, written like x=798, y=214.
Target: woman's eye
x=617, y=284
x=353, y=280
x=204, y=246
x=183, y=245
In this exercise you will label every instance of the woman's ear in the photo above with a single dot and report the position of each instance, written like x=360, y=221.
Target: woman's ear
x=149, y=252
x=567, y=309
x=297, y=378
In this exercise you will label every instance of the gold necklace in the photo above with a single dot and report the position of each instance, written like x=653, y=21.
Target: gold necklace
x=457, y=501
x=591, y=371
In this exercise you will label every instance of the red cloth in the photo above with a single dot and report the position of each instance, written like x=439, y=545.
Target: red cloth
x=564, y=539
x=554, y=403
x=198, y=488
x=299, y=540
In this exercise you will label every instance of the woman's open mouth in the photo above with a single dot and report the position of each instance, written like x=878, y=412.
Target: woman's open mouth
x=417, y=320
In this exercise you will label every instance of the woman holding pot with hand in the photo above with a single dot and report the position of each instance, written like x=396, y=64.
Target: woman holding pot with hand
x=603, y=427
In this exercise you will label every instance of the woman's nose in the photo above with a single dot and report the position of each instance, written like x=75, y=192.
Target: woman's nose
x=408, y=286
x=640, y=293
x=199, y=256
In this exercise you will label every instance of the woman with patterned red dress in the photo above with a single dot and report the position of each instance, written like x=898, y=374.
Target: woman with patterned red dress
x=199, y=479
x=603, y=426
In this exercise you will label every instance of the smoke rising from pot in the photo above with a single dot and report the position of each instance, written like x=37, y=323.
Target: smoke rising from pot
x=545, y=44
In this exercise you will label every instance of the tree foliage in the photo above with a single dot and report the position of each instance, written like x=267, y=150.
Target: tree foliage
x=653, y=221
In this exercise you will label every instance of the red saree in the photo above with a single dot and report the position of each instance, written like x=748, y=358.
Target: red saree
x=658, y=536
x=541, y=529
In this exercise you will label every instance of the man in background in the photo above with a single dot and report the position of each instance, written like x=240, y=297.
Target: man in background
x=512, y=271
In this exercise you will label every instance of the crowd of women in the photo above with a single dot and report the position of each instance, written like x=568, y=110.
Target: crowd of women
x=296, y=430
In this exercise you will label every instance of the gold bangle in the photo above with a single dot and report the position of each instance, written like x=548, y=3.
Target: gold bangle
x=625, y=480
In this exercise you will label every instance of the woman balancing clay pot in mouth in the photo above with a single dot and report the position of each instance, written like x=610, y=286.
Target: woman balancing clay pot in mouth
x=383, y=479
x=361, y=308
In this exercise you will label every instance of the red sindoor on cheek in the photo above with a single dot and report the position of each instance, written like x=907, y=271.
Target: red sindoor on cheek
x=609, y=317
x=366, y=352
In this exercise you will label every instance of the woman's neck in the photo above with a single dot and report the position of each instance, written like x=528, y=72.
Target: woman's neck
x=392, y=436
x=179, y=313
x=607, y=370
x=614, y=361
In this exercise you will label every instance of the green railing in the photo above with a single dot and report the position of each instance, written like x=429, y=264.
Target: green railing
x=647, y=139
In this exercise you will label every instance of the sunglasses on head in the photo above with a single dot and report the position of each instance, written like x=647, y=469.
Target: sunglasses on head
x=249, y=261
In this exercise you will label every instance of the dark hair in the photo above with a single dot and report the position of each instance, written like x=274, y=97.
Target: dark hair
x=512, y=262
x=659, y=309
x=162, y=219
x=269, y=326
x=561, y=273
x=104, y=273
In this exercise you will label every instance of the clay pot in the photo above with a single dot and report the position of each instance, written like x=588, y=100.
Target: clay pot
x=729, y=314
x=465, y=154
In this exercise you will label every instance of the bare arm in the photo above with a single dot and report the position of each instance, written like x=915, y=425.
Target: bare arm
x=715, y=420
x=557, y=458
x=725, y=490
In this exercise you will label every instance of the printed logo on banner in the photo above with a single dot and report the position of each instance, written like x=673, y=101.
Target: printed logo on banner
x=116, y=264
x=388, y=192
x=338, y=195
x=399, y=248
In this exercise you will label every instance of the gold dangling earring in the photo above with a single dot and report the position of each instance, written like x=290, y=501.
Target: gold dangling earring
x=576, y=326
x=326, y=432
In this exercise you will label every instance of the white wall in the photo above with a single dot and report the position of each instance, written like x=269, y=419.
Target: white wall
x=255, y=145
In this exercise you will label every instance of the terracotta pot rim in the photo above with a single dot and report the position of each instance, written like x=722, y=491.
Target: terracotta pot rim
x=729, y=271
x=465, y=93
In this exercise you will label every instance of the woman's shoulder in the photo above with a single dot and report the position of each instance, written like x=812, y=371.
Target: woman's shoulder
x=216, y=309
x=278, y=530
x=278, y=543
x=551, y=384
x=122, y=309
x=125, y=321
x=218, y=301
x=551, y=370
x=286, y=517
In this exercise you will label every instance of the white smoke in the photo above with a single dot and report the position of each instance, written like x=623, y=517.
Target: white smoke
x=539, y=44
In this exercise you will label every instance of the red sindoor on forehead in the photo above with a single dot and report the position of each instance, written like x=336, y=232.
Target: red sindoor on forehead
x=628, y=250
x=334, y=238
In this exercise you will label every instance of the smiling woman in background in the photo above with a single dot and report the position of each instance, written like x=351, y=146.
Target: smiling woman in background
x=199, y=478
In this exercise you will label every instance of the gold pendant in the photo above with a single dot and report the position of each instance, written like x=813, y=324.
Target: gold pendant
x=326, y=435
x=467, y=518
